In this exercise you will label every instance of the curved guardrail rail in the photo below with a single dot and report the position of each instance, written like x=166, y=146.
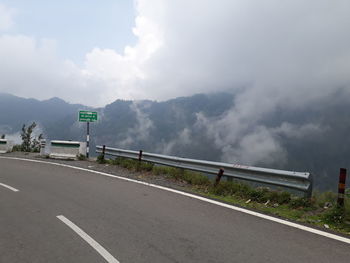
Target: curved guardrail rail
x=301, y=181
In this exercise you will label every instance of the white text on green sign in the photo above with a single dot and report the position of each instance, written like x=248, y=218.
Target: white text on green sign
x=87, y=116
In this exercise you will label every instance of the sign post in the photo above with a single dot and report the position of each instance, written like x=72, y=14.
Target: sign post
x=87, y=116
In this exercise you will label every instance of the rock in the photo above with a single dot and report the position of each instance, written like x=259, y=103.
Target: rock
x=276, y=205
x=326, y=226
x=327, y=205
x=248, y=201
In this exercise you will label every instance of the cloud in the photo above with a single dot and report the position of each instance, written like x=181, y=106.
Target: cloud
x=141, y=131
x=288, y=50
x=291, y=52
x=180, y=141
x=6, y=17
x=271, y=52
x=31, y=68
x=247, y=140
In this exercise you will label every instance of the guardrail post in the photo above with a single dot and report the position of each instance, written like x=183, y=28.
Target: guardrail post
x=140, y=155
x=308, y=194
x=341, y=186
x=103, y=151
x=218, y=177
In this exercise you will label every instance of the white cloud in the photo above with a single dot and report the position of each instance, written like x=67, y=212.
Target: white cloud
x=270, y=52
x=31, y=68
x=291, y=51
x=6, y=17
x=183, y=138
x=141, y=131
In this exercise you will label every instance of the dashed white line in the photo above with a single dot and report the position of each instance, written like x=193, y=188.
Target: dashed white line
x=232, y=207
x=9, y=187
x=101, y=250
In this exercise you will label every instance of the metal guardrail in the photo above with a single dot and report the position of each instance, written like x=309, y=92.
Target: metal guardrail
x=301, y=181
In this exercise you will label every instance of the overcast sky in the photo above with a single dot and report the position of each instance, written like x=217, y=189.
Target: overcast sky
x=270, y=52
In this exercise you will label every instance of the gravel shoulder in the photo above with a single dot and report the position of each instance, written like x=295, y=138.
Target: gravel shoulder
x=111, y=169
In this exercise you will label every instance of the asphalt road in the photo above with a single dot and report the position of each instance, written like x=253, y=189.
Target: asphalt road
x=131, y=222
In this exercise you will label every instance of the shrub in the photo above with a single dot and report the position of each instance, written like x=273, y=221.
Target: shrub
x=283, y=197
x=82, y=157
x=299, y=202
x=144, y=166
x=223, y=189
x=161, y=170
x=29, y=143
x=195, y=178
x=128, y=163
x=16, y=148
x=258, y=195
x=325, y=197
x=334, y=215
x=101, y=159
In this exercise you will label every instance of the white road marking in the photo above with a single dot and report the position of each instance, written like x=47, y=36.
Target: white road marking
x=243, y=210
x=101, y=250
x=9, y=187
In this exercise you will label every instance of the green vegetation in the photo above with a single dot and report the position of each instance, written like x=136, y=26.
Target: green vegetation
x=321, y=210
x=17, y=148
x=81, y=157
x=29, y=143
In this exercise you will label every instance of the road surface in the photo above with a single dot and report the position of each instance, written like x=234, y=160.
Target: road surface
x=60, y=214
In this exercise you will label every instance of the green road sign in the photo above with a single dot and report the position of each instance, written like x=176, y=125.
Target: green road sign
x=87, y=116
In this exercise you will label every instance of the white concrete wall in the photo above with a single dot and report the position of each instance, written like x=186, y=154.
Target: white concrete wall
x=64, y=149
x=82, y=149
x=6, y=146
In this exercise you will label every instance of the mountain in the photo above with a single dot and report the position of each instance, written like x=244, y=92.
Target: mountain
x=16, y=111
x=204, y=126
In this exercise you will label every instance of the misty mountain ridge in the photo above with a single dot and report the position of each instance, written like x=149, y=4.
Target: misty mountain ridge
x=203, y=126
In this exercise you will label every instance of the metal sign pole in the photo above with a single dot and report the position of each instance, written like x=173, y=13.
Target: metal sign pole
x=87, y=116
x=87, y=138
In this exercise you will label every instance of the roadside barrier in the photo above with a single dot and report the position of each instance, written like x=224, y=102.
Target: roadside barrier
x=5, y=146
x=64, y=149
x=301, y=181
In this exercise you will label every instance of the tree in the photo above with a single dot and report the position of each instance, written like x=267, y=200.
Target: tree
x=35, y=146
x=30, y=144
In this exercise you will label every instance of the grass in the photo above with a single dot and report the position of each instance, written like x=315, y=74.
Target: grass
x=321, y=210
x=190, y=177
x=81, y=157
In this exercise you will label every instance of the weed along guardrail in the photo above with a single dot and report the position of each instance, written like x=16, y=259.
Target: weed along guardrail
x=300, y=181
x=5, y=146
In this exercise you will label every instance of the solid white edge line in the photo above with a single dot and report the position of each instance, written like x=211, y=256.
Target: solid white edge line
x=243, y=210
x=101, y=250
x=9, y=187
